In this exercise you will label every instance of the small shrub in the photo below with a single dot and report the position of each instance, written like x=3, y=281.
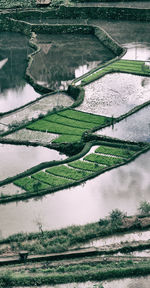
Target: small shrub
x=116, y=217
x=144, y=207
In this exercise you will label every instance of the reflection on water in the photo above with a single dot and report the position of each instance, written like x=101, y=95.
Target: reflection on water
x=14, y=92
x=64, y=57
x=137, y=51
x=14, y=98
x=123, y=188
x=16, y=159
x=126, y=31
x=136, y=282
x=115, y=94
x=134, y=128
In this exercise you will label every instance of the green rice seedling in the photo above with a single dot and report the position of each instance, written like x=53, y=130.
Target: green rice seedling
x=67, y=139
x=69, y=122
x=30, y=184
x=51, y=179
x=42, y=125
x=125, y=153
x=106, y=160
x=86, y=117
x=84, y=165
x=67, y=172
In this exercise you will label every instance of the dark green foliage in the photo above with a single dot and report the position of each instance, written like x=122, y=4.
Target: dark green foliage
x=144, y=207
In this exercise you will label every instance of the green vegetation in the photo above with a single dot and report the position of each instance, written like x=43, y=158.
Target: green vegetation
x=116, y=216
x=75, y=273
x=50, y=179
x=30, y=184
x=42, y=125
x=86, y=117
x=67, y=139
x=56, y=118
x=144, y=207
x=122, y=152
x=106, y=160
x=70, y=124
x=67, y=172
x=17, y=3
x=126, y=66
x=84, y=165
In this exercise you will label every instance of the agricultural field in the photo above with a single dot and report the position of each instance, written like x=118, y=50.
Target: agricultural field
x=74, y=203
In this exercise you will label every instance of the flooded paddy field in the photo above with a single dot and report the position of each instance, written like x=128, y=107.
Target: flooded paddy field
x=43, y=106
x=16, y=159
x=117, y=239
x=123, y=188
x=125, y=31
x=65, y=57
x=115, y=94
x=133, y=128
x=14, y=91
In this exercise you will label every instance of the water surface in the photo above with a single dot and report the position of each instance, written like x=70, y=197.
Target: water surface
x=65, y=57
x=133, y=128
x=14, y=91
x=115, y=94
x=123, y=188
x=16, y=159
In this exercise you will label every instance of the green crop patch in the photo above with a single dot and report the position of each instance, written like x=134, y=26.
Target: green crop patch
x=51, y=179
x=30, y=184
x=106, y=160
x=67, y=139
x=125, y=153
x=45, y=126
x=69, y=122
x=67, y=172
x=86, y=117
x=84, y=165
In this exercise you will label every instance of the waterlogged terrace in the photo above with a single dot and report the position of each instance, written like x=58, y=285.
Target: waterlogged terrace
x=123, y=188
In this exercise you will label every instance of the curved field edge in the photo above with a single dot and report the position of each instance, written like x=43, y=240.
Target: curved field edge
x=34, y=172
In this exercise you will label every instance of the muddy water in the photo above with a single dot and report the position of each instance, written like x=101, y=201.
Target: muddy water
x=14, y=91
x=137, y=282
x=16, y=159
x=134, y=128
x=65, y=57
x=117, y=239
x=123, y=188
x=115, y=94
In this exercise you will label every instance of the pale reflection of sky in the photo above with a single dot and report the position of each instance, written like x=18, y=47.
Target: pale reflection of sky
x=137, y=51
x=123, y=188
x=14, y=98
x=16, y=159
x=134, y=128
x=115, y=94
